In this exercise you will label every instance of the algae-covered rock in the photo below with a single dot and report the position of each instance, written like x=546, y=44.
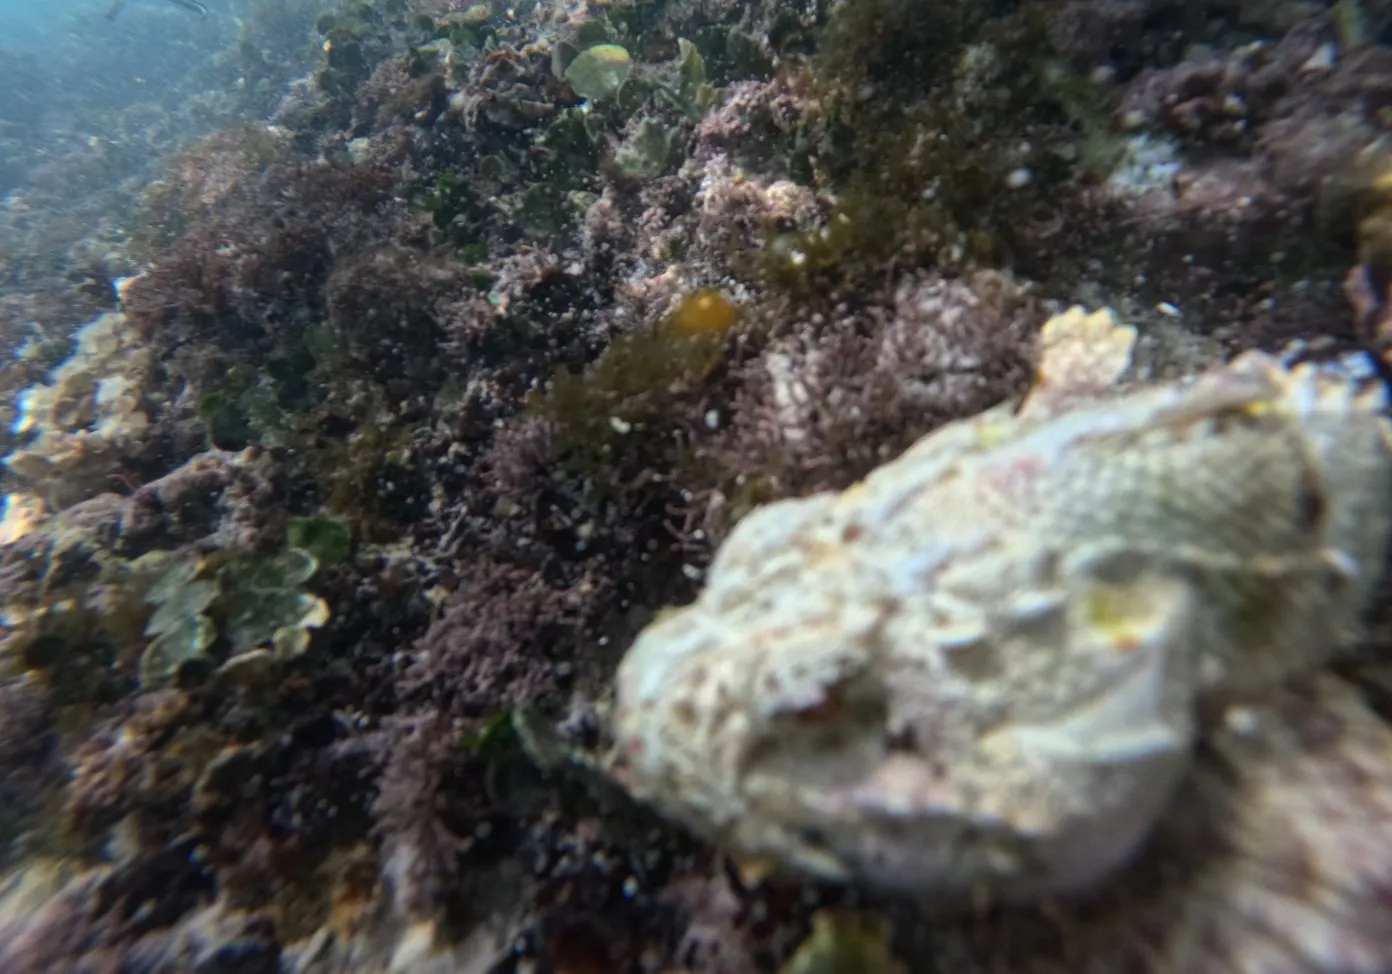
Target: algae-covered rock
x=89, y=416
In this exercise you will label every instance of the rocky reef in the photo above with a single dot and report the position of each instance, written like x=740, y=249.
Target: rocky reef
x=363, y=408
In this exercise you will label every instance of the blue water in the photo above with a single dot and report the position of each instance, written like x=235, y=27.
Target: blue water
x=75, y=80
x=62, y=60
x=29, y=24
x=38, y=25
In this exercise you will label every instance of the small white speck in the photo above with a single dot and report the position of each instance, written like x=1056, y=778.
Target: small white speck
x=1019, y=178
x=712, y=419
x=620, y=426
x=1242, y=720
x=1324, y=58
x=1133, y=119
x=1165, y=308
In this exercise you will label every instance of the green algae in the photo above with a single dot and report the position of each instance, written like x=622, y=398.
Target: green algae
x=178, y=629
x=329, y=540
x=957, y=176
x=631, y=388
x=597, y=73
x=247, y=603
x=651, y=151
x=842, y=941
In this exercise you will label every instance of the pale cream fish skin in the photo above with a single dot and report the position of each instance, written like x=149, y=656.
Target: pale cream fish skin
x=979, y=670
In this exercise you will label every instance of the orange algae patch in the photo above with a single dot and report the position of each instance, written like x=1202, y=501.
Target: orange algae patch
x=704, y=312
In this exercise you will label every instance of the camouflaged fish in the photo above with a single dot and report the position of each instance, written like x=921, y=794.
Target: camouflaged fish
x=979, y=670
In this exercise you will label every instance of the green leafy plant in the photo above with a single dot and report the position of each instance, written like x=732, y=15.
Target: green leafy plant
x=249, y=603
x=683, y=83
x=458, y=211
x=179, y=630
x=265, y=604
x=651, y=151
x=328, y=539
x=598, y=72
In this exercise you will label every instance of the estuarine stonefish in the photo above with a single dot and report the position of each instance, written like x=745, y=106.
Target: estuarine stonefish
x=981, y=669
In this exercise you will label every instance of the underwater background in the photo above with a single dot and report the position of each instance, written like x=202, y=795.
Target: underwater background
x=374, y=372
